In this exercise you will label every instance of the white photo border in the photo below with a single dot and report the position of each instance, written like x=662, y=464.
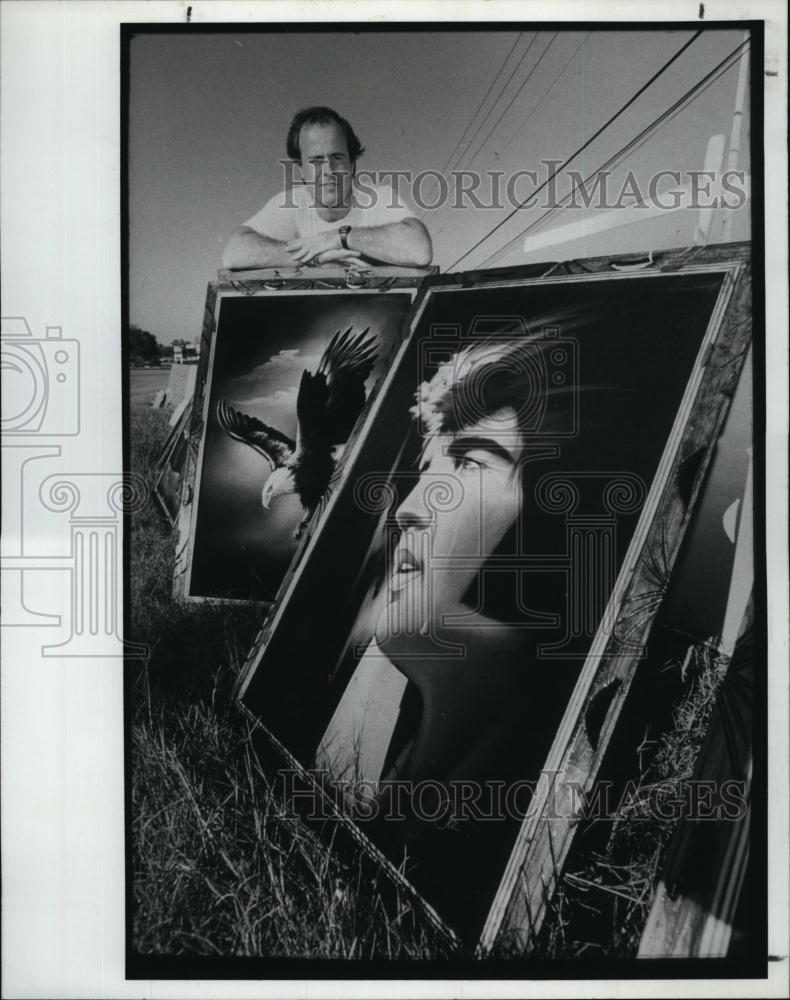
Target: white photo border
x=62, y=720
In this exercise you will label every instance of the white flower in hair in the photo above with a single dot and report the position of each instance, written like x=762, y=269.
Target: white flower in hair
x=432, y=394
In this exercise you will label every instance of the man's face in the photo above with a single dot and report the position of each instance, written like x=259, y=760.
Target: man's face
x=468, y=495
x=325, y=164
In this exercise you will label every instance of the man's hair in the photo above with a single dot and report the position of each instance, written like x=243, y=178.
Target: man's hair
x=321, y=116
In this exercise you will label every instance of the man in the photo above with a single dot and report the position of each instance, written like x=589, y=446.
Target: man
x=329, y=216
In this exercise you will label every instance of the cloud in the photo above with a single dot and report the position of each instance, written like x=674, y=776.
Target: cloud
x=283, y=368
x=278, y=409
x=280, y=398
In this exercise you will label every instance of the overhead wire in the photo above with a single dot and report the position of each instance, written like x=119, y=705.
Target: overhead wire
x=459, y=159
x=501, y=93
x=482, y=102
x=584, y=145
x=438, y=231
x=441, y=229
x=493, y=83
x=626, y=151
x=632, y=145
x=545, y=94
x=647, y=133
x=524, y=82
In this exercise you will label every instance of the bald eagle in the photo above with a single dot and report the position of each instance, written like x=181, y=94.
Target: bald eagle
x=328, y=405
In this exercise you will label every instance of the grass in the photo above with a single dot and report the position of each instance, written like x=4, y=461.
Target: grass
x=221, y=865
x=144, y=383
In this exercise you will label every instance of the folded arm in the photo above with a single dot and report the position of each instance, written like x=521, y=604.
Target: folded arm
x=405, y=243
x=247, y=248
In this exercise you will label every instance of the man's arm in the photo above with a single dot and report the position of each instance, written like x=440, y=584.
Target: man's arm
x=246, y=248
x=405, y=243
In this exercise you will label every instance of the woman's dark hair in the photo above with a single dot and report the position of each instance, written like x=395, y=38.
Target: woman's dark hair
x=594, y=427
x=321, y=116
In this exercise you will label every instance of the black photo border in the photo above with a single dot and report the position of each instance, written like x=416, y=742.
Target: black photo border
x=167, y=967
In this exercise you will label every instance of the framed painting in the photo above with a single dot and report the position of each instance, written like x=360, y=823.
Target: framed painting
x=286, y=369
x=538, y=442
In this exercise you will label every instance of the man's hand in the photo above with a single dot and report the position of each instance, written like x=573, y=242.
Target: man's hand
x=306, y=248
x=405, y=243
x=339, y=256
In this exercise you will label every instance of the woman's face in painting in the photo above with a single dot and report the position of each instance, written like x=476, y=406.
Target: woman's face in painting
x=466, y=498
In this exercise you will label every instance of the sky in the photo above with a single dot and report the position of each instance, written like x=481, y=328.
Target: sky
x=208, y=116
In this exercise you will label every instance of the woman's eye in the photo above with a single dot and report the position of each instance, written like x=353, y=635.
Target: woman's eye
x=466, y=463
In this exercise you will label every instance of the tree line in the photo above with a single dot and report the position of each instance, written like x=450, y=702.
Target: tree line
x=142, y=347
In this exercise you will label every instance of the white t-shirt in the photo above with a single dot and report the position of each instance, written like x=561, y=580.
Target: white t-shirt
x=290, y=214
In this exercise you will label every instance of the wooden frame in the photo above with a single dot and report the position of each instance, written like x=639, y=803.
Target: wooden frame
x=543, y=844
x=171, y=464
x=538, y=853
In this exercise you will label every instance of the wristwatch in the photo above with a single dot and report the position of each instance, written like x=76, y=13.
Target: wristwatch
x=343, y=233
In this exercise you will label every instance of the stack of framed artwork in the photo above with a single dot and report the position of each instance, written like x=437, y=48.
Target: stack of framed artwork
x=450, y=632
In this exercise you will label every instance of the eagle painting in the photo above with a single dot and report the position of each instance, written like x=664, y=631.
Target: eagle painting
x=328, y=404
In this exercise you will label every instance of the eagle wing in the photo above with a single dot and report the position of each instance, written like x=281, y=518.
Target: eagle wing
x=330, y=401
x=275, y=446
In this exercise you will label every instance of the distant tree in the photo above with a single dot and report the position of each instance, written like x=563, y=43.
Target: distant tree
x=142, y=345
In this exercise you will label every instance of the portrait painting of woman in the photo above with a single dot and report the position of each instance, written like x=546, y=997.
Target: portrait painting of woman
x=492, y=501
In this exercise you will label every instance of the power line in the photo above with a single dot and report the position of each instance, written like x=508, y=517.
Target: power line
x=513, y=98
x=631, y=147
x=633, y=144
x=493, y=83
x=442, y=228
x=584, y=146
x=500, y=94
x=546, y=93
x=480, y=105
x=460, y=157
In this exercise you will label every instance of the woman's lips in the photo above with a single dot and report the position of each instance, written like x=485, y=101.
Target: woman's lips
x=406, y=566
